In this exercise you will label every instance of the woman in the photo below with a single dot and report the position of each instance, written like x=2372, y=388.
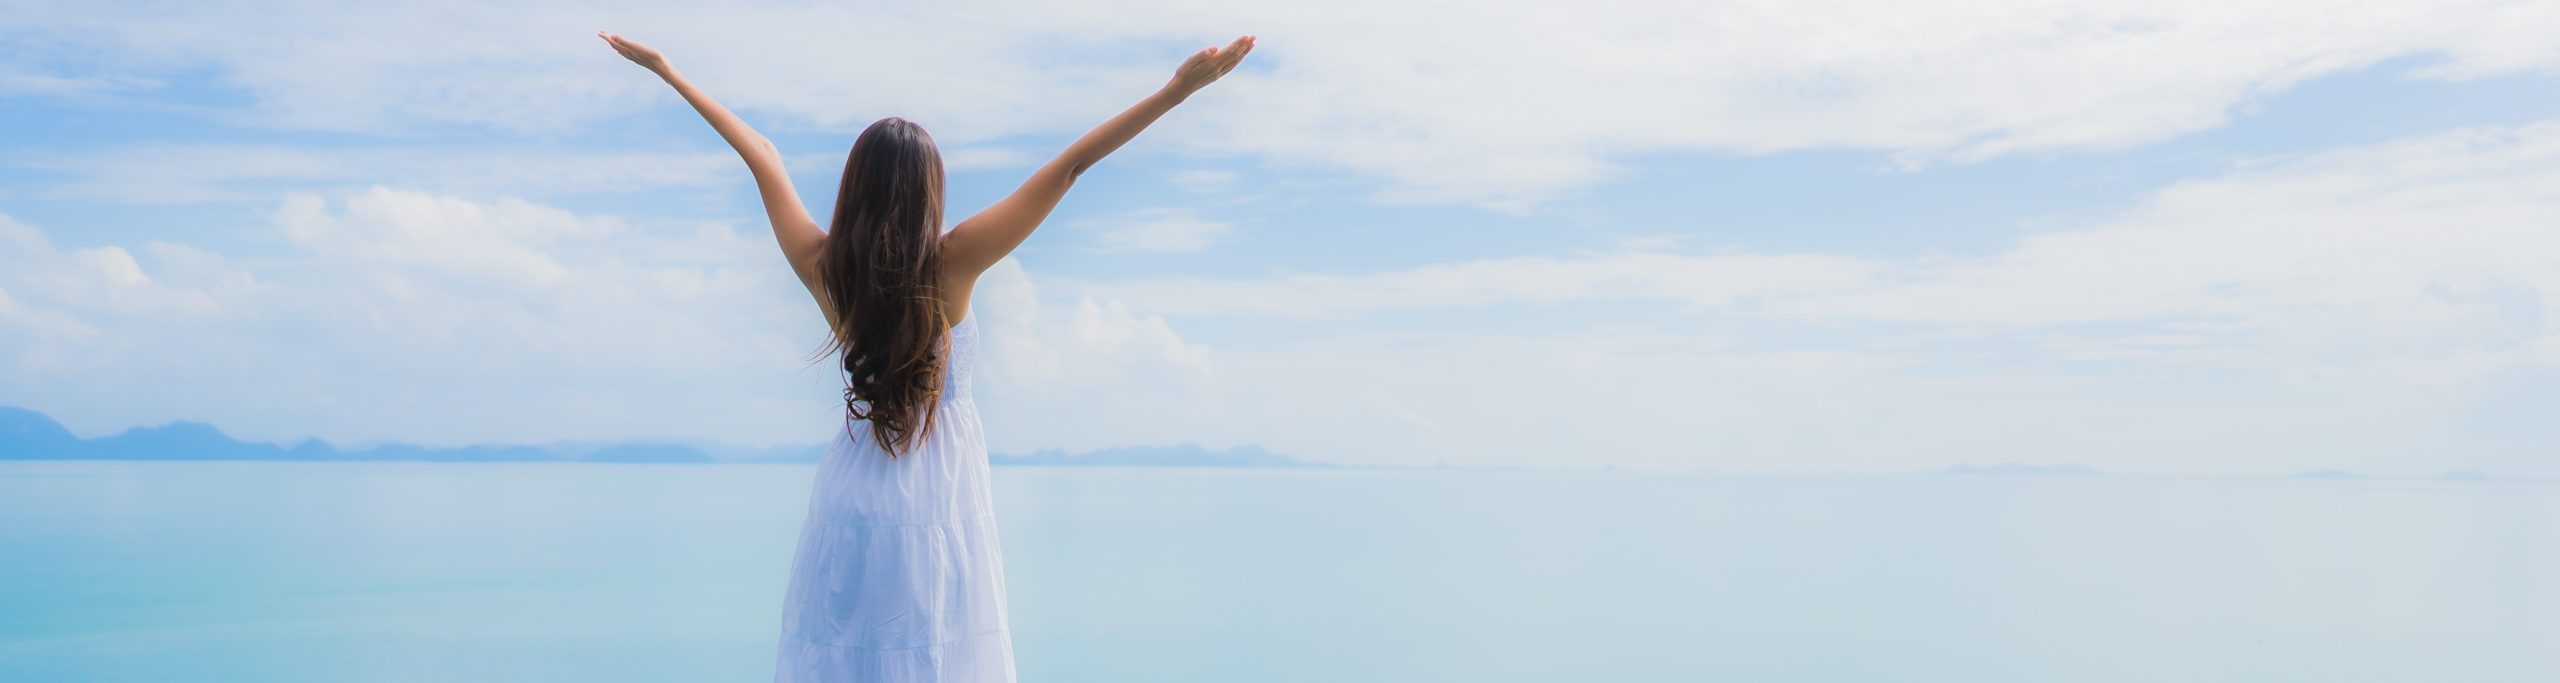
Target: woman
x=898, y=575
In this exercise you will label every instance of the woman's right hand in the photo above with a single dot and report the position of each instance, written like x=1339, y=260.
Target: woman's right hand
x=1204, y=67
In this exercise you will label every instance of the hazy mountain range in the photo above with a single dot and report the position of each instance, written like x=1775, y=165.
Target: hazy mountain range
x=30, y=435
x=2016, y=469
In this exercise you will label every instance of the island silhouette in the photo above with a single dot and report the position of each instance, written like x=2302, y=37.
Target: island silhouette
x=31, y=435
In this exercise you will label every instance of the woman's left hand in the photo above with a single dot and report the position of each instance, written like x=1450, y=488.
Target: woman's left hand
x=642, y=55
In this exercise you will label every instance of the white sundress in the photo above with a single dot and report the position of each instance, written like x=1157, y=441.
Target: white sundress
x=898, y=576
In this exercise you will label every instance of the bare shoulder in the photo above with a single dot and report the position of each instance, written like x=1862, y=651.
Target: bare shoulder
x=969, y=248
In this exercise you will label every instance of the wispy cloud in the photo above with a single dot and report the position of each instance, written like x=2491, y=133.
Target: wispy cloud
x=1707, y=281
x=1159, y=229
x=23, y=80
x=1203, y=179
x=2405, y=235
x=193, y=172
x=438, y=319
x=2347, y=306
x=2378, y=308
x=1501, y=105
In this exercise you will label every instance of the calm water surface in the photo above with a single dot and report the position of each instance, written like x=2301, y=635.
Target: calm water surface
x=538, y=572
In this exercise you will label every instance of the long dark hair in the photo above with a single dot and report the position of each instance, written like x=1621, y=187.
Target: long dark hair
x=881, y=270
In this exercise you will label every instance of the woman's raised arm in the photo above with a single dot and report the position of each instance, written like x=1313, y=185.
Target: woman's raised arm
x=799, y=235
x=982, y=240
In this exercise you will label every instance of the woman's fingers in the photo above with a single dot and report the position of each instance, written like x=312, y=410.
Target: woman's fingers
x=637, y=53
x=1236, y=51
x=1234, y=54
x=616, y=42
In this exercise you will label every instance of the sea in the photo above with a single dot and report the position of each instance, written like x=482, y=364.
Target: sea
x=291, y=572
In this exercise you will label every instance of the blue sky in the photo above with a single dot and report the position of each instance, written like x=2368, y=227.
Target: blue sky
x=2256, y=237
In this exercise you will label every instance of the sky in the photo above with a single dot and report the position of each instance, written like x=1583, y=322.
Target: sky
x=2237, y=237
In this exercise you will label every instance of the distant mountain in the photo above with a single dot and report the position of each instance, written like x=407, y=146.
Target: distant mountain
x=30, y=435
x=2023, y=470
x=779, y=454
x=1178, y=455
x=647, y=452
x=187, y=441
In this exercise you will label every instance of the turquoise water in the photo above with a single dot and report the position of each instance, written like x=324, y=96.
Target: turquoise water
x=538, y=572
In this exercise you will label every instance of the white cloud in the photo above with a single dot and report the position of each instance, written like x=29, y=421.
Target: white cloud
x=1500, y=104
x=1203, y=179
x=103, y=278
x=2360, y=308
x=976, y=157
x=1153, y=230
x=2368, y=308
x=1081, y=373
x=436, y=319
x=2425, y=228
x=404, y=315
x=1707, y=281
x=2418, y=236
x=18, y=80
x=177, y=173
